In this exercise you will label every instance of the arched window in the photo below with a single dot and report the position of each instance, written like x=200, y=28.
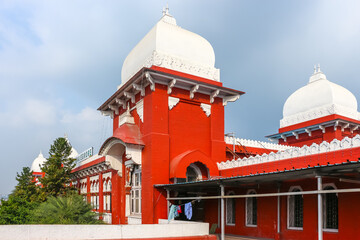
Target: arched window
x=193, y=173
x=330, y=209
x=104, y=186
x=295, y=209
x=251, y=210
x=230, y=210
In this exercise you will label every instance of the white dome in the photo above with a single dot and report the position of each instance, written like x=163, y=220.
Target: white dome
x=38, y=163
x=74, y=153
x=170, y=46
x=318, y=98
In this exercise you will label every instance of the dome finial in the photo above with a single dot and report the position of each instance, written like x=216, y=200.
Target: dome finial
x=314, y=68
x=166, y=10
x=318, y=69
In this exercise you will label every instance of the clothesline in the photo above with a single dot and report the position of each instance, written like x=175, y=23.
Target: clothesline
x=193, y=201
x=175, y=210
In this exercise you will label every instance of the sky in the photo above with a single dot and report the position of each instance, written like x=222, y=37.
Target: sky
x=60, y=60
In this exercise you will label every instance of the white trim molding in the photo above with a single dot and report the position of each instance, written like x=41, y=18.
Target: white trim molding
x=206, y=108
x=318, y=113
x=293, y=152
x=140, y=109
x=172, y=101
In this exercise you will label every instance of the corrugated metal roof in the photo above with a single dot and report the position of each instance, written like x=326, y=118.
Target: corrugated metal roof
x=288, y=174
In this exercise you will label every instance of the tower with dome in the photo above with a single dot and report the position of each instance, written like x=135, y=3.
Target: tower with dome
x=39, y=161
x=168, y=148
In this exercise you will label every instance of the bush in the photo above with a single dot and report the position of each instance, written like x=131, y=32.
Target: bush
x=71, y=209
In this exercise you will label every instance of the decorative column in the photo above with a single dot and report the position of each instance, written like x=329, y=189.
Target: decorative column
x=101, y=195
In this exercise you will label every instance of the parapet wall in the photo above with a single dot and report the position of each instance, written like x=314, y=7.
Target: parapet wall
x=294, y=152
x=180, y=230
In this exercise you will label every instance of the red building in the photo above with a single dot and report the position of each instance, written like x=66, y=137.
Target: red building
x=168, y=147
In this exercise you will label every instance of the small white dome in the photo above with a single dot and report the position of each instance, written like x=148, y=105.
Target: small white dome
x=170, y=46
x=318, y=98
x=38, y=163
x=73, y=153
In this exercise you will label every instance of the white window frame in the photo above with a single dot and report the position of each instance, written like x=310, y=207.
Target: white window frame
x=135, y=187
x=228, y=201
x=251, y=191
x=324, y=208
x=288, y=208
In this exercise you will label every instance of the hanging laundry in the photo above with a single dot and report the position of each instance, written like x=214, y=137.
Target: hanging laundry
x=172, y=212
x=179, y=209
x=188, y=210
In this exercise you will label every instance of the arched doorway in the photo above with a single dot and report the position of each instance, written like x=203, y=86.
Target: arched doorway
x=196, y=171
x=113, y=150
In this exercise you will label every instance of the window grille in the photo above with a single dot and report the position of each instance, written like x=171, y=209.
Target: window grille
x=230, y=210
x=251, y=210
x=295, y=210
x=330, y=209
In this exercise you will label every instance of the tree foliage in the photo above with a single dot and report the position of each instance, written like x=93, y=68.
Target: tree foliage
x=57, y=169
x=70, y=209
x=26, y=188
x=52, y=202
x=17, y=209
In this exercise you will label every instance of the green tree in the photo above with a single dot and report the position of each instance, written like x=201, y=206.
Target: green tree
x=57, y=169
x=70, y=209
x=17, y=209
x=26, y=188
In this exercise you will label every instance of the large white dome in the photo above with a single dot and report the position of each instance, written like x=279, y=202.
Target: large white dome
x=318, y=98
x=38, y=163
x=170, y=46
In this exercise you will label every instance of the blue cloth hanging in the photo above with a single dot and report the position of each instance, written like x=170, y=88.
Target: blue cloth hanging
x=188, y=210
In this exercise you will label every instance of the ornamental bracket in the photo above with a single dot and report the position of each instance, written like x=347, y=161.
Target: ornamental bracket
x=150, y=80
x=171, y=85
x=139, y=88
x=193, y=90
x=130, y=95
x=213, y=95
x=232, y=98
x=121, y=102
x=115, y=109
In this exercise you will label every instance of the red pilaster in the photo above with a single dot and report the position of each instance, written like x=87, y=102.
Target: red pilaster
x=88, y=196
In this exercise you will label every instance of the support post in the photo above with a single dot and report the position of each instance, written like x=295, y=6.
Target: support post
x=168, y=202
x=320, y=213
x=278, y=211
x=222, y=213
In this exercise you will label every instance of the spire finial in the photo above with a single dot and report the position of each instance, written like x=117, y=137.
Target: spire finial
x=314, y=68
x=318, y=70
x=166, y=10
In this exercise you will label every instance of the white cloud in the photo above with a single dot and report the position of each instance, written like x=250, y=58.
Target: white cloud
x=39, y=112
x=29, y=112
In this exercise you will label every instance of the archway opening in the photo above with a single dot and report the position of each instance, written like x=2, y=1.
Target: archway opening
x=196, y=172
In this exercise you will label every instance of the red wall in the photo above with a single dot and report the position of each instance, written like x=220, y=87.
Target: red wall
x=348, y=212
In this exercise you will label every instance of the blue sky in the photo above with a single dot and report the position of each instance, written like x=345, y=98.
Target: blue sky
x=60, y=60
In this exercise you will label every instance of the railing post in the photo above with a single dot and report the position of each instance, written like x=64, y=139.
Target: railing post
x=222, y=213
x=320, y=210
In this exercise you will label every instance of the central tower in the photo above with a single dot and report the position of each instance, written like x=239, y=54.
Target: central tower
x=168, y=118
